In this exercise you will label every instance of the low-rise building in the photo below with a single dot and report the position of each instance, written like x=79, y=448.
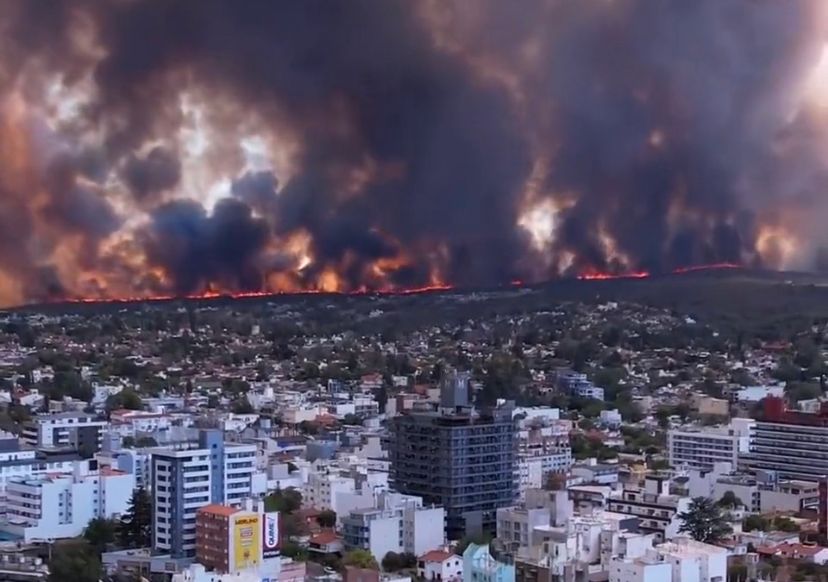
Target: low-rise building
x=653, y=504
x=440, y=565
x=480, y=565
x=400, y=524
x=683, y=560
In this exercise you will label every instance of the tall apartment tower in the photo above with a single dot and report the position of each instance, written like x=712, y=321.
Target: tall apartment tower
x=792, y=444
x=188, y=479
x=457, y=457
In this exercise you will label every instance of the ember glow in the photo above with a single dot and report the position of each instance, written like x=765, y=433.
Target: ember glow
x=388, y=146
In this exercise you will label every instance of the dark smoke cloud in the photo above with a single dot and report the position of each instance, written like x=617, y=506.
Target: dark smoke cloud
x=222, y=247
x=666, y=133
x=152, y=174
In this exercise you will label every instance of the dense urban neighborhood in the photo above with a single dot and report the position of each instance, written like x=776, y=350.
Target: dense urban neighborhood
x=492, y=435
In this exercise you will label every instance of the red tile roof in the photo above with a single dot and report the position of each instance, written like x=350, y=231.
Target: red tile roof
x=436, y=556
x=324, y=538
x=217, y=509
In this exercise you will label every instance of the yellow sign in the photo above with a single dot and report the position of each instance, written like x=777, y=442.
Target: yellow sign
x=247, y=542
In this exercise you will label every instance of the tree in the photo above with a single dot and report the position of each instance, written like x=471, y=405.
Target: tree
x=135, y=528
x=394, y=562
x=74, y=560
x=242, y=405
x=360, y=558
x=704, y=521
x=295, y=551
x=326, y=518
x=100, y=533
x=352, y=420
x=480, y=540
x=797, y=391
x=127, y=399
x=309, y=428
x=785, y=524
x=755, y=522
x=145, y=442
x=730, y=500
x=283, y=501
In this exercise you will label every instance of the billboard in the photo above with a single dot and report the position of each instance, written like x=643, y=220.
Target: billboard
x=270, y=534
x=247, y=542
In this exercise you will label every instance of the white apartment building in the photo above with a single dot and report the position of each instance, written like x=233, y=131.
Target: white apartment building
x=137, y=462
x=656, y=509
x=16, y=463
x=130, y=422
x=399, y=524
x=516, y=525
x=61, y=505
x=683, y=560
x=328, y=489
x=542, y=450
x=55, y=430
x=702, y=447
x=188, y=479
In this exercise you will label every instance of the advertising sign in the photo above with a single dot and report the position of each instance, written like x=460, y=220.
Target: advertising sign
x=270, y=534
x=247, y=546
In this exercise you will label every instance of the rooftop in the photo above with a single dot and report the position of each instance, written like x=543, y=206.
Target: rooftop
x=218, y=509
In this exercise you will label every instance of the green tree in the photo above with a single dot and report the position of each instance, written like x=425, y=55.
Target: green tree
x=480, y=540
x=797, y=391
x=394, y=562
x=135, y=528
x=145, y=441
x=785, y=524
x=360, y=558
x=100, y=533
x=74, y=560
x=293, y=550
x=241, y=405
x=284, y=500
x=326, y=518
x=755, y=522
x=352, y=420
x=125, y=399
x=730, y=500
x=704, y=521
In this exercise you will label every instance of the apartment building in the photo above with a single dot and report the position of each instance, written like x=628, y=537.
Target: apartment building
x=58, y=506
x=228, y=539
x=188, y=479
x=792, y=444
x=683, y=560
x=702, y=447
x=656, y=509
x=541, y=451
x=64, y=429
x=456, y=457
x=399, y=524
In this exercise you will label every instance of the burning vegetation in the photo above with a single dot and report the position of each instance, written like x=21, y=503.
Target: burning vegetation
x=163, y=148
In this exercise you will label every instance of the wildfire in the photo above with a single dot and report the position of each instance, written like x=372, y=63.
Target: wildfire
x=209, y=295
x=601, y=276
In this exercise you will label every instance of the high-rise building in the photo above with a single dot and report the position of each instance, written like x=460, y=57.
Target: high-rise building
x=541, y=451
x=457, y=457
x=792, y=444
x=186, y=480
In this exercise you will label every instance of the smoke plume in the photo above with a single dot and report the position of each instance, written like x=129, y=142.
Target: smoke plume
x=169, y=147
